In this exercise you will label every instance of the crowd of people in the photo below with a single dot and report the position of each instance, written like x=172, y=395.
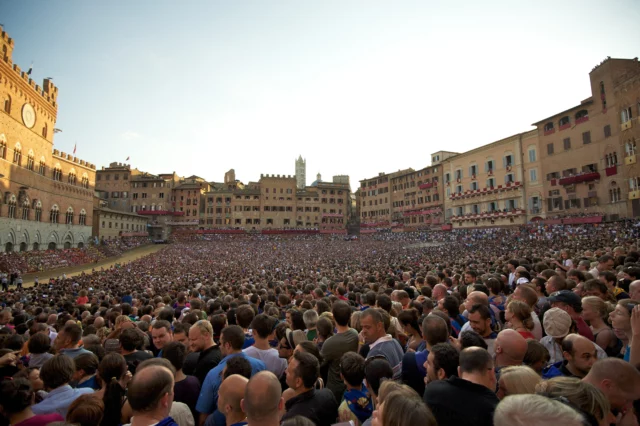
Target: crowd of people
x=521, y=326
x=44, y=260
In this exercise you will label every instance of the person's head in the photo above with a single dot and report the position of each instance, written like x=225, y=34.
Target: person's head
x=86, y=365
x=39, y=343
x=341, y=313
x=537, y=356
x=352, y=369
x=595, y=288
x=303, y=371
x=310, y=318
x=442, y=362
x=372, y=323
x=231, y=340
x=605, y=263
x=620, y=317
x=480, y=319
x=262, y=326
x=131, y=339
x=161, y=333
x=476, y=365
x=181, y=333
x=476, y=298
x=175, y=352
x=510, y=348
x=617, y=379
x=200, y=336
x=375, y=371
x=583, y=396
x=325, y=328
x=57, y=371
x=634, y=290
x=409, y=319
x=237, y=365
x=86, y=410
x=520, y=313
x=557, y=323
x=69, y=336
x=262, y=400
x=580, y=354
x=401, y=408
x=151, y=390
x=534, y=410
x=230, y=394
x=435, y=330
x=16, y=394
x=517, y=379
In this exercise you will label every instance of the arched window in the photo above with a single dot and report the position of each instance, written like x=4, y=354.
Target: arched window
x=53, y=214
x=44, y=130
x=38, y=210
x=564, y=121
x=614, y=192
x=69, y=216
x=17, y=154
x=82, y=218
x=30, y=160
x=11, y=212
x=42, y=166
x=71, y=178
x=25, y=210
x=548, y=127
x=3, y=147
x=7, y=105
x=57, y=173
x=85, y=181
x=582, y=115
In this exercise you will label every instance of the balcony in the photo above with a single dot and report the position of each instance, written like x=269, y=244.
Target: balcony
x=428, y=185
x=582, y=119
x=486, y=191
x=626, y=125
x=488, y=215
x=630, y=159
x=420, y=212
x=586, y=177
x=634, y=195
x=549, y=132
x=611, y=171
x=565, y=126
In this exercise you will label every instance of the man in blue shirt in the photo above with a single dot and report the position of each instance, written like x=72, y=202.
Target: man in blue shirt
x=231, y=342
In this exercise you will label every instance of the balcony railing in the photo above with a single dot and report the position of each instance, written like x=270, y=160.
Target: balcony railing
x=586, y=177
x=489, y=215
x=582, y=119
x=485, y=191
x=428, y=185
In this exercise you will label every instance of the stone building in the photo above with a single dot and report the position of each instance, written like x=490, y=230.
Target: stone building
x=115, y=184
x=47, y=195
x=301, y=173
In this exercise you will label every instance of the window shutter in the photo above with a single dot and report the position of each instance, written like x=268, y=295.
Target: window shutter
x=504, y=161
x=506, y=178
x=486, y=166
x=567, y=204
x=515, y=203
x=550, y=204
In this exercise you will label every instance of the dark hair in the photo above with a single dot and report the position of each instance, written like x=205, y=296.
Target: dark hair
x=298, y=421
x=39, y=343
x=452, y=306
x=175, y=352
x=375, y=370
x=322, y=306
x=234, y=335
x=131, y=339
x=238, y=365
x=483, y=310
x=73, y=332
x=470, y=338
x=87, y=362
x=262, y=325
x=370, y=298
x=166, y=314
x=244, y=316
x=112, y=368
x=475, y=360
x=308, y=368
x=341, y=313
x=410, y=317
x=352, y=368
x=324, y=326
x=57, y=371
x=297, y=320
x=311, y=348
x=162, y=324
x=536, y=352
x=16, y=395
x=435, y=330
x=86, y=410
x=384, y=302
x=446, y=357
x=97, y=350
x=181, y=327
x=218, y=323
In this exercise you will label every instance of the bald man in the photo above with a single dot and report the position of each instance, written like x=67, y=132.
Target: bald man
x=510, y=348
x=579, y=356
x=634, y=290
x=262, y=402
x=230, y=396
x=439, y=292
x=620, y=383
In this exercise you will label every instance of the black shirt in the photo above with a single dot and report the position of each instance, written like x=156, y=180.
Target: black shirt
x=319, y=406
x=187, y=392
x=459, y=402
x=207, y=359
x=135, y=358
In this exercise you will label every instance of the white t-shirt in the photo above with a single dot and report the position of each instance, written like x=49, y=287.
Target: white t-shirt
x=270, y=357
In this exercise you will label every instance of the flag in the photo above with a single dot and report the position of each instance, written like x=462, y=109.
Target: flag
x=30, y=69
x=74, y=149
x=127, y=159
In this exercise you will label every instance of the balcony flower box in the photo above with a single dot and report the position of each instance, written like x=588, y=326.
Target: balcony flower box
x=565, y=126
x=582, y=119
x=549, y=132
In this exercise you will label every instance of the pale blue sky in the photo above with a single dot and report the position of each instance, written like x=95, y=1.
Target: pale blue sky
x=356, y=87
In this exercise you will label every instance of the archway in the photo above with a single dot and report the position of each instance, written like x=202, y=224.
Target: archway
x=80, y=245
x=23, y=246
x=8, y=247
x=36, y=246
x=67, y=245
x=51, y=246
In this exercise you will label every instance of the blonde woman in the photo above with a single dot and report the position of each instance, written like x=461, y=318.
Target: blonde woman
x=584, y=396
x=518, y=314
x=594, y=312
x=404, y=407
x=517, y=380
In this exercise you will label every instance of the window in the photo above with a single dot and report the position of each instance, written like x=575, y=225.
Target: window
x=582, y=115
x=44, y=131
x=564, y=121
x=634, y=183
x=532, y=155
x=38, y=210
x=85, y=182
x=626, y=114
x=71, y=178
x=509, y=178
x=57, y=174
x=41, y=167
x=586, y=138
x=611, y=159
x=82, y=218
x=3, y=149
x=53, y=214
x=458, y=174
x=533, y=175
x=30, y=161
x=69, y=216
x=630, y=147
x=12, y=208
x=17, y=154
x=491, y=183
x=566, y=142
x=614, y=193
x=7, y=105
x=607, y=131
x=550, y=148
x=459, y=189
x=548, y=127
x=474, y=186
x=25, y=210
x=508, y=160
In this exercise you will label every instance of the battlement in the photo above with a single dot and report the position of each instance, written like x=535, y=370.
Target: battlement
x=48, y=91
x=70, y=158
x=268, y=176
x=601, y=63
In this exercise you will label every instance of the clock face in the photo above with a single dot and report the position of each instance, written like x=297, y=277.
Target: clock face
x=28, y=115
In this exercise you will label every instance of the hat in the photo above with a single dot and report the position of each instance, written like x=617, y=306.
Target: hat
x=566, y=296
x=557, y=323
x=295, y=337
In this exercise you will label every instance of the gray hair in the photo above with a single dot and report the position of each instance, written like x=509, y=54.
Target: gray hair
x=534, y=410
